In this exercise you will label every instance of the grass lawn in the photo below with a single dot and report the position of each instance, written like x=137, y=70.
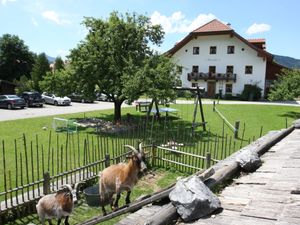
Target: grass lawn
x=255, y=118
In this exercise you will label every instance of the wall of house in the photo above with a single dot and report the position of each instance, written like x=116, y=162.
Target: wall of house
x=243, y=55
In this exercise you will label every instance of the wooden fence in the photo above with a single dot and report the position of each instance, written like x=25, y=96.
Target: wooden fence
x=33, y=169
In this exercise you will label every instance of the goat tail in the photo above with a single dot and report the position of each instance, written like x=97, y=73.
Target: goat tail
x=101, y=188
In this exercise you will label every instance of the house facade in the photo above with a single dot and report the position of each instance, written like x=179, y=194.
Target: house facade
x=215, y=57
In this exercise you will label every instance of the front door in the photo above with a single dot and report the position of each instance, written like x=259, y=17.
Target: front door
x=211, y=89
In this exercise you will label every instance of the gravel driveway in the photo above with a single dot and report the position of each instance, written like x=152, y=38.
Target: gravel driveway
x=49, y=110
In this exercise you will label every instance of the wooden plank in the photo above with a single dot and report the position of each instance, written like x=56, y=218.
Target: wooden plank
x=263, y=209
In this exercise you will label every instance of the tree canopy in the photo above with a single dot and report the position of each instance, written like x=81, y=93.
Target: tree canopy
x=15, y=58
x=59, y=64
x=287, y=87
x=116, y=57
x=40, y=68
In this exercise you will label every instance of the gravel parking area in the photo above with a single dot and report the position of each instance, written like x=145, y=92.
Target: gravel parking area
x=49, y=110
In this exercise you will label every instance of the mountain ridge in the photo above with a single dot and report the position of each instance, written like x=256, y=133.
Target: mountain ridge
x=287, y=61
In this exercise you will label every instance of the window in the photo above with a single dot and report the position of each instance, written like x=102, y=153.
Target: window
x=248, y=69
x=228, y=89
x=213, y=50
x=230, y=49
x=195, y=69
x=196, y=50
x=194, y=84
x=212, y=69
x=229, y=69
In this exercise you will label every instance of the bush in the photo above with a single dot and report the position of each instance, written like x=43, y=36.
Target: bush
x=251, y=93
x=287, y=87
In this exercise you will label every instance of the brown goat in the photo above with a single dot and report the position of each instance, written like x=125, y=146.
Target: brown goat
x=121, y=177
x=57, y=205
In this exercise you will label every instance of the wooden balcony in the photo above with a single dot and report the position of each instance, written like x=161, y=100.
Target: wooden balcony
x=211, y=76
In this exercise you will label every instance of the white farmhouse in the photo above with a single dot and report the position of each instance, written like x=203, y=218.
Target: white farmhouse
x=215, y=57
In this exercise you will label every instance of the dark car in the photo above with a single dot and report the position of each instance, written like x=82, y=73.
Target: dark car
x=11, y=102
x=32, y=99
x=80, y=98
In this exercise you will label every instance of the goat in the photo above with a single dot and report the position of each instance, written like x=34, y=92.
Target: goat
x=57, y=205
x=121, y=177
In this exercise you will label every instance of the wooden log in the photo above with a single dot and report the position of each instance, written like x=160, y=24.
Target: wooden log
x=144, y=201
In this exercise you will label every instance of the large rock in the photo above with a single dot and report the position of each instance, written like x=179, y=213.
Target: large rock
x=193, y=199
x=248, y=160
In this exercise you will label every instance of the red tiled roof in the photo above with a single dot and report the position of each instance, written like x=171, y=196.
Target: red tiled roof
x=213, y=26
x=257, y=40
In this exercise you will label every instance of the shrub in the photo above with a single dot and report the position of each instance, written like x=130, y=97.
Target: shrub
x=287, y=87
x=251, y=93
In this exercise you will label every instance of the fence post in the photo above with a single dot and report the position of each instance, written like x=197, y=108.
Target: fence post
x=46, y=183
x=107, y=160
x=153, y=155
x=236, y=129
x=208, y=160
x=214, y=106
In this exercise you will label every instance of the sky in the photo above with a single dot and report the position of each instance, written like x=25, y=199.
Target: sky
x=55, y=26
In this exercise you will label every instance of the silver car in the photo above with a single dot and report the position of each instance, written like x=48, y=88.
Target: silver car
x=55, y=100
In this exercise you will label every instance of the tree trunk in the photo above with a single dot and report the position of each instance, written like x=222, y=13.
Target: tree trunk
x=117, y=114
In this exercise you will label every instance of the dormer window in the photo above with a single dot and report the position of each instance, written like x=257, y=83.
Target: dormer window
x=230, y=49
x=213, y=50
x=196, y=50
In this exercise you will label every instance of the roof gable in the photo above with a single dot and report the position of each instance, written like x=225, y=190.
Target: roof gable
x=213, y=26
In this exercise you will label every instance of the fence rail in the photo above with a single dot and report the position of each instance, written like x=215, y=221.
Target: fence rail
x=34, y=170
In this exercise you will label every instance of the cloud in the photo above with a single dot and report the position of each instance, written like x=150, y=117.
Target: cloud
x=54, y=17
x=34, y=22
x=258, y=28
x=178, y=23
x=3, y=2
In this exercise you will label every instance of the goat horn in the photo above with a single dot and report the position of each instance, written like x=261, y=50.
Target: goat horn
x=77, y=184
x=132, y=148
x=141, y=148
x=67, y=186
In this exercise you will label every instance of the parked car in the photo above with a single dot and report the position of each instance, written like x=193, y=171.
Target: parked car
x=55, y=100
x=80, y=98
x=11, y=102
x=32, y=98
x=103, y=97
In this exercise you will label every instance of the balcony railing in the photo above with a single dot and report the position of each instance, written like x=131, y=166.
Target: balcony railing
x=211, y=76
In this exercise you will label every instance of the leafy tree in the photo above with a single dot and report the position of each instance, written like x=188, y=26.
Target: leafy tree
x=59, y=64
x=40, y=68
x=59, y=82
x=115, y=56
x=24, y=84
x=15, y=58
x=287, y=87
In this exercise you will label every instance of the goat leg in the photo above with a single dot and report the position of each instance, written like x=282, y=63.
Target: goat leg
x=128, y=197
x=58, y=221
x=49, y=221
x=116, y=205
x=67, y=220
x=103, y=210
